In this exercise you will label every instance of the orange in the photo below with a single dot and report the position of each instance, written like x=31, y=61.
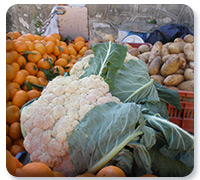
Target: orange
x=61, y=62
x=58, y=43
x=32, y=79
x=10, y=163
x=50, y=38
x=8, y=142
x=72, y=50
x=111, y=171
x=148, y=175
x=21, y=61
x=56, y=51
x=58, y=174
x=65, y=50
x=10, y=45
x=73, y=61
x=30, y=45
x=7, y=95
x=9, y=58
x=59, y=69
x=33, y=94
x=32, y=68
x=68, y=67
x=18, y=163
x=79, y=38
x=41, y=74
x=57, y=36
x=15, y=149
x=37, y=37
x=43, y=81
x=19, y=142
x=20, y=46
x=10, y=72
x=26, y=73
x=15, y=131
x=30, y=36
x=86, y=175
x=14, y=53
x=7, y=129
x=44, y=64
x=36, y=169
x=49, y=56
x=79, y=45
x=16, y=66
x=34, y=56
x=20, y=98
x=12, y=87
x=40, y=47
x=13, y=35
x=63, y=43
x=22, y=38
x=19, y=78
x=9, y=103
x=66, y=56
x=50, y=46
x=82, y=51
x=78, y=56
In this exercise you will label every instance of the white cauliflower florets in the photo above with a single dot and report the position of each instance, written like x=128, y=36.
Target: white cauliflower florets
x=50, y=120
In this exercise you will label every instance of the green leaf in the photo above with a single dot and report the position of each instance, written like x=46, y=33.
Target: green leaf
x=102, y=133
x=29, y=52
x=177, y=143
x=169, y=96
x=132, y=83
x=39, y=87
x=61, y=48
x=109, y=57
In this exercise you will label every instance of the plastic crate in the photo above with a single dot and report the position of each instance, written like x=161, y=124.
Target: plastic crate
x=185, y=117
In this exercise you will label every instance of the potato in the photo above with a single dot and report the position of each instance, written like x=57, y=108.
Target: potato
x=164, y=51
x=158, y=78
x=186, y=85
x=189, y=38
x=128, y=45
x=170, y=66
x=189, y=74
x=172, y=87
x=173, y=80
x=176, y=47
x=154, y=66
x=93, y=41
x=178, y=40
x=166, y=57
x=134, y=51
x=155, y=51
x=191, y=65
x=143, y=48
x=108, y=37
x=182, y=60
x=179, y=71
x=189, y=51
x=144, y=56
x=167, y=45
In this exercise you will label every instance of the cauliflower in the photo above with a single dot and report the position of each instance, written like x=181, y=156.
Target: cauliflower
x=50, y=120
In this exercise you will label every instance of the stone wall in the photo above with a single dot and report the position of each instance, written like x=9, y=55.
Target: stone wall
x=105, y=18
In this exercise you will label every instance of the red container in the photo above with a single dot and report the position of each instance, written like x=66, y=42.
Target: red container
x=185, y=117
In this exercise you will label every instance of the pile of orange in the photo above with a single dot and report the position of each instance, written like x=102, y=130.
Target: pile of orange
x=31, y=62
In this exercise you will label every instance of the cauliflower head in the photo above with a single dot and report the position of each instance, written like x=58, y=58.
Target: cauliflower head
x=50, y=120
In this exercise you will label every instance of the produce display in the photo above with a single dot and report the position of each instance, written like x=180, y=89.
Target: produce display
x=99, y=113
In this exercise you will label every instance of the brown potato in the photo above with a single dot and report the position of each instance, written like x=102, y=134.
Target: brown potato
x=155, y=51
x=182, y=60
x=189, y=38
x=128, y=45
x=166, y=57
x=170, y=66
x=144, y=56
x=178, y=40
x=176, y=47
x=191, y=64
x=108, y=37
x=134, y=51
x=186, y=85
x=164, y=51
x=154, y=66
x=173, y=80
x=143, y=48
x=189, y=51
x=158, y=78
x=179, y=71
x=189, y=74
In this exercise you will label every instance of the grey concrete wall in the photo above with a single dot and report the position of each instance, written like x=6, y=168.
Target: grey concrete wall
x=105, y=18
